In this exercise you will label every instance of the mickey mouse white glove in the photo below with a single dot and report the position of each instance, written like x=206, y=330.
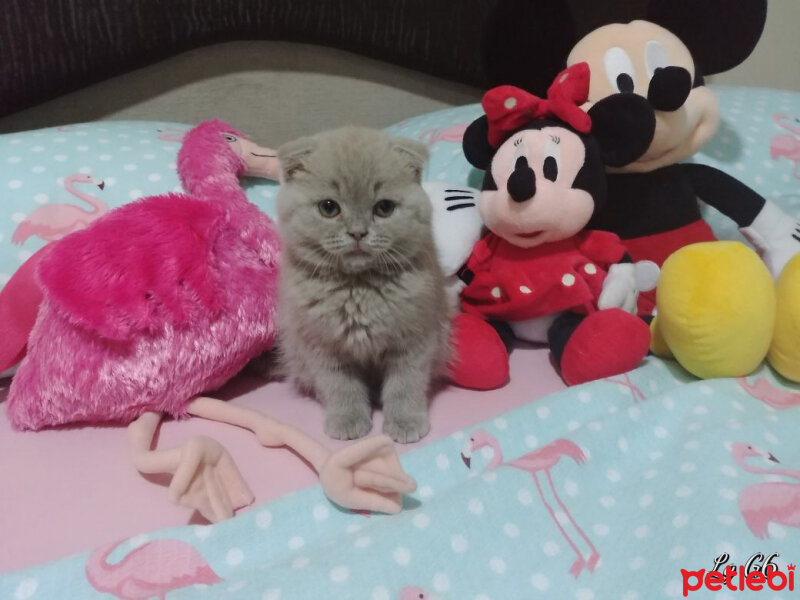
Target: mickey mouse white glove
x=623, y=283
x=775, y=236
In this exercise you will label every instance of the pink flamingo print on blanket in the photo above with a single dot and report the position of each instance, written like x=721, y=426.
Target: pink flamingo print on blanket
x=787, y=145
x=773, y=501
x=171, y=135
x=627, y=382
x=762, y=389
x=454, y=133
x=55, y=221
x=539, y=461
x=413, y=592
x=152, y=570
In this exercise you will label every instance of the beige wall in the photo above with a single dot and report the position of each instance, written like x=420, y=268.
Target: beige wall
x=776, y=60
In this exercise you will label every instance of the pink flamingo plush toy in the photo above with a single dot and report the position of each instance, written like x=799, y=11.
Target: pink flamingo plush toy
x=161, y=300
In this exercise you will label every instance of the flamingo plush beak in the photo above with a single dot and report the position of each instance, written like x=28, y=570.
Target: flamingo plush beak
x=772, y=458
x=261, y=162
x=467, y=461
x=102, y=185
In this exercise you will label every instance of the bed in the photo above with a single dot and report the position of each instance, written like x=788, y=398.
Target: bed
x=606, y=490
x=603, y=490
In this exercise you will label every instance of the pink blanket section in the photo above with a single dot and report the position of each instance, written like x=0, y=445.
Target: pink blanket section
x=68, y=490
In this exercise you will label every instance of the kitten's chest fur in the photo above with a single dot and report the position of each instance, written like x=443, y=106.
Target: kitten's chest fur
x=364, y=318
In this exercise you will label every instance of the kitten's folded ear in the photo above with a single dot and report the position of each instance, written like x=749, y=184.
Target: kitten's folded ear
x=415, y=154
x=292, y=156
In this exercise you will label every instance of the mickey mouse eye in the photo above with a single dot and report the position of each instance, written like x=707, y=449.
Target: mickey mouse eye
x=552, y=155
x=619, y=69
x=329, y=208
x=229, y=138
x=655, y=57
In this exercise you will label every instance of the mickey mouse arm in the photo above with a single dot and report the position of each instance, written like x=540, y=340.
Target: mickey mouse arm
x=728, y=195
x=775, y=235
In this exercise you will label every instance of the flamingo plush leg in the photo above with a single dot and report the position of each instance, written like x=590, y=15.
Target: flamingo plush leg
x=365, y=475
x=579, y=563
x=205, y=478
x=591, y=563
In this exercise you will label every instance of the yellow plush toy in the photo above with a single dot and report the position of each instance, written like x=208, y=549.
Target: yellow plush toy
x=784, y=354
x=732, y=335
x=726, y=338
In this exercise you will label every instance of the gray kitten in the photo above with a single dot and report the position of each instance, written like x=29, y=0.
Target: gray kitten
x=363, y=311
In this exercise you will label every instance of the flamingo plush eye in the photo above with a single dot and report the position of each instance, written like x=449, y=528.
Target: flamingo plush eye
x=229, y=138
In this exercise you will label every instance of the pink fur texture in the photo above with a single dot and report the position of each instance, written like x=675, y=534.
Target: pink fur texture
x=154, y=303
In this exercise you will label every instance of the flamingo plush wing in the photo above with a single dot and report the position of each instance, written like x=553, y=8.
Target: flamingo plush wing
x=19, y=305
x=140, y=267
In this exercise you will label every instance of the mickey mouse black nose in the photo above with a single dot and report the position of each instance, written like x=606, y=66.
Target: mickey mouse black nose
x=522, y=182
x=669, y=88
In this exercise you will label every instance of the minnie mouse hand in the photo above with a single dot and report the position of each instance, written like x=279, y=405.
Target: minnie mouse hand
x=619, y=288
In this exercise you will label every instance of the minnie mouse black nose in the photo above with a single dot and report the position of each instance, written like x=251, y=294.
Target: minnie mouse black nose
x=669, y=88
x=522, y=182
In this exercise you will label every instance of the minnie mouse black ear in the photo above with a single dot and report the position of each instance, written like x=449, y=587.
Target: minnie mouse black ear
x=476, y=143
x=720, y=34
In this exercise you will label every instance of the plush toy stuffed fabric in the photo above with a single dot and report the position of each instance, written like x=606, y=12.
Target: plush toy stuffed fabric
x=538, y=269
x=652, y=199
x=140, y=308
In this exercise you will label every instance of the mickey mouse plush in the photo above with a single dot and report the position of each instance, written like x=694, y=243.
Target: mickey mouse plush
x=652, y=198
x=538, y=269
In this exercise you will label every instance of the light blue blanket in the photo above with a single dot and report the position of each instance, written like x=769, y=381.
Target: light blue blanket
x=626, y=484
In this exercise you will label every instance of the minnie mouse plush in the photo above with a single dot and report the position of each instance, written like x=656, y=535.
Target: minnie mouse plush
x=538, y=270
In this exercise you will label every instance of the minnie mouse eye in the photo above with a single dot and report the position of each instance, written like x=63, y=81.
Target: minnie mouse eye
x=619, y=69
x=552, y=154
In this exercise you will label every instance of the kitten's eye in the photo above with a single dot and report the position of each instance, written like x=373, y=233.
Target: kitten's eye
x=384, y=208
x=229, y=138
x=329, y=208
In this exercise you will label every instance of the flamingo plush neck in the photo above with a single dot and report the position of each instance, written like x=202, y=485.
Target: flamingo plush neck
x=207, y=165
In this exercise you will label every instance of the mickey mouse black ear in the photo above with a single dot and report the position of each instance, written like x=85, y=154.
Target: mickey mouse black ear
x=720, y=34
x=526, y=42
x=476, y=143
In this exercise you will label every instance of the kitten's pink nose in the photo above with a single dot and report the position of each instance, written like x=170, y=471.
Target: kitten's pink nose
x=357, y=235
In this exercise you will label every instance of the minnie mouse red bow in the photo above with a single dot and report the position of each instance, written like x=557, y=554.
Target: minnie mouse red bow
x=508, y=108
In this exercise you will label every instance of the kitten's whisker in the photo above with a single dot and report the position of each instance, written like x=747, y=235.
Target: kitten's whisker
x=398, y=256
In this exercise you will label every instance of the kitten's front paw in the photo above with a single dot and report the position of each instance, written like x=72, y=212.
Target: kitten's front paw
x=347, y=426
x=407, y=429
